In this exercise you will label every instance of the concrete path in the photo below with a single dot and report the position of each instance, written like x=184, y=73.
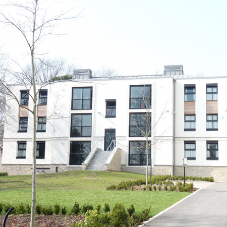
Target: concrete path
x=205, y=208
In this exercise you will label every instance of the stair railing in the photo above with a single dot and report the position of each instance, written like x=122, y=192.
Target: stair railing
x=112, y=145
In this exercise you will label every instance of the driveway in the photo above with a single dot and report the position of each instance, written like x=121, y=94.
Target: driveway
x=207, y=208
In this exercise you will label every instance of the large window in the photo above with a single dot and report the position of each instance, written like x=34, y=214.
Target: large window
x=21, y=153
x=40, y=150
x=189, y=92
x=79, y=150
x=189, y=123
x=138, y=153
x=212, y=150
x=41, y=127
x=111, y=108
x=82, y=98
x=140, y=97
x=140, y=124
x=81, y=125
x=43, y=97
x=212, y=92
x=23, y=124
x=24, y=98
x=212, y=122
x=190, y=150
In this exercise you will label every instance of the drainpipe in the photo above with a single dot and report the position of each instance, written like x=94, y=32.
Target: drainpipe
x=174, y=121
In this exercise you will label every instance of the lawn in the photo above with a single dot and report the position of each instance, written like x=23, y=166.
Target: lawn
x=84, y=187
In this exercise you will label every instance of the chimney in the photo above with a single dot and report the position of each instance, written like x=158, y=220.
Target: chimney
x=82, y=74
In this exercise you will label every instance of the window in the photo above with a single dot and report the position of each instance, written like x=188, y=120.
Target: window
x=24, y=98
x=81, y=125
x=23, y=124
x=140, y=97
x=212, y=122
x=111, y=108
x=82, y=98
x=138, y=153
x=212, y=150
x=21, y=154
x=41, y=127
x=79, y=150
x=212, y=92
x=43, y=97
x=189, y=92
x=189, y=150
x=140, y=124
x=189, y=123
x=40, y=150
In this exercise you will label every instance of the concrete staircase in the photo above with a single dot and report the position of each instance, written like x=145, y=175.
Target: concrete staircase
x=98, y=161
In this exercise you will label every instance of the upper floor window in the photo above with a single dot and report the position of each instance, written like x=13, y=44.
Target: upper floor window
x=140, y=97
x=24, y=98
x=212, y=92
x=43, y=97
x=23, y=124
x=111, y=108
x=189, y=150
x=212, y=150
x=212, y=122
x=140, y=125
x=138, y=153
x=21, y=153
x=40, y=150
x=189, y=92
x=189, y=123
x=81, y=125
x=82, y=98
x=41, y=127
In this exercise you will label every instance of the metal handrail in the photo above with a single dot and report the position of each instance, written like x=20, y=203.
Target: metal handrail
x=113, y=143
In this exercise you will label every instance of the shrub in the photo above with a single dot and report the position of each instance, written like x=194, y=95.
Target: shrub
x=1, y=207
x=144, y=188
x=211, y=179
x=3, y=174
x=106, y=208
x=154, y=188
x=86, y=207
x=28, y=209
x=75, y=209
x=47, y=210
x=173, y=188
x=166, y=188
x=131, y=210
x=149, y=187
x=38, y=209
x=57, y=208
x=7, y=206
x=159, y=187
x=63, y=210
x=21, y=209
x=98, y=208
x=111, y=187
x=119, y=215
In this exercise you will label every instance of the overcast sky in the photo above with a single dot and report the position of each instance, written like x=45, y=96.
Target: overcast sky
x=136, y=37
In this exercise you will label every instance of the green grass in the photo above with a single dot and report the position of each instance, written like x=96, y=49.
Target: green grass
x=84, y=187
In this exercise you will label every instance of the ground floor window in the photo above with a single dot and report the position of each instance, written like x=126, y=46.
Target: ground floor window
x=212, y=150
x=21, y=153
x=79, y=150
x=138, y=153
x=40, y=150
x=189, y=150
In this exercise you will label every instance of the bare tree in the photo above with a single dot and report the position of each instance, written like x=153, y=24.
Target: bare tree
x=106, y=72
x=32, y=22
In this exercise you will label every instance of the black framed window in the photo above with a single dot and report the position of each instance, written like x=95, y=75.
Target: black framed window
x=140, y=97
x=212, y=92
x=40, y=150
x=139, y=124
x=190, y=150
x=212, y=150
x=110, y=108
x=23, y=124
x=189, y=123
x=21, y=152
x=138, y=153
x=81, y=125
x=212, y=122
x=79, y=150
x=43, y=97
x=24, y=98
x=82, y=98
x=41, y=126
x=189, y=92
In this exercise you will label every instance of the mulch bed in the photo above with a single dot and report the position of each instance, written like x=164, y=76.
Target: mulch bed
x=41, y=220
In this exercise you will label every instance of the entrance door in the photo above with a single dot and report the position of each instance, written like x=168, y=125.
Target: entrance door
x=109, y=136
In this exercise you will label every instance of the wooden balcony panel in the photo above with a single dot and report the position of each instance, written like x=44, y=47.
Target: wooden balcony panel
x=212, y=107
x=189, y=108
x=23, y=112
x=41, y=111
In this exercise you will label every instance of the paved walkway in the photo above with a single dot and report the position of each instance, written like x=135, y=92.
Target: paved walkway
x=205, y=208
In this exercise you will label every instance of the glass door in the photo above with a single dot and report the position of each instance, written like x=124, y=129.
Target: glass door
x=109, y=136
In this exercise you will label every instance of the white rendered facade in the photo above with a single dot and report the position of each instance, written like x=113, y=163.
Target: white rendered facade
x=168, y=137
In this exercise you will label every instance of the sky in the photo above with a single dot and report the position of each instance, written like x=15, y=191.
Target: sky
x=133, y=37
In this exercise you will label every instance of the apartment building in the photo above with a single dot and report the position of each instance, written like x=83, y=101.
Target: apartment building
x=83, y=120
